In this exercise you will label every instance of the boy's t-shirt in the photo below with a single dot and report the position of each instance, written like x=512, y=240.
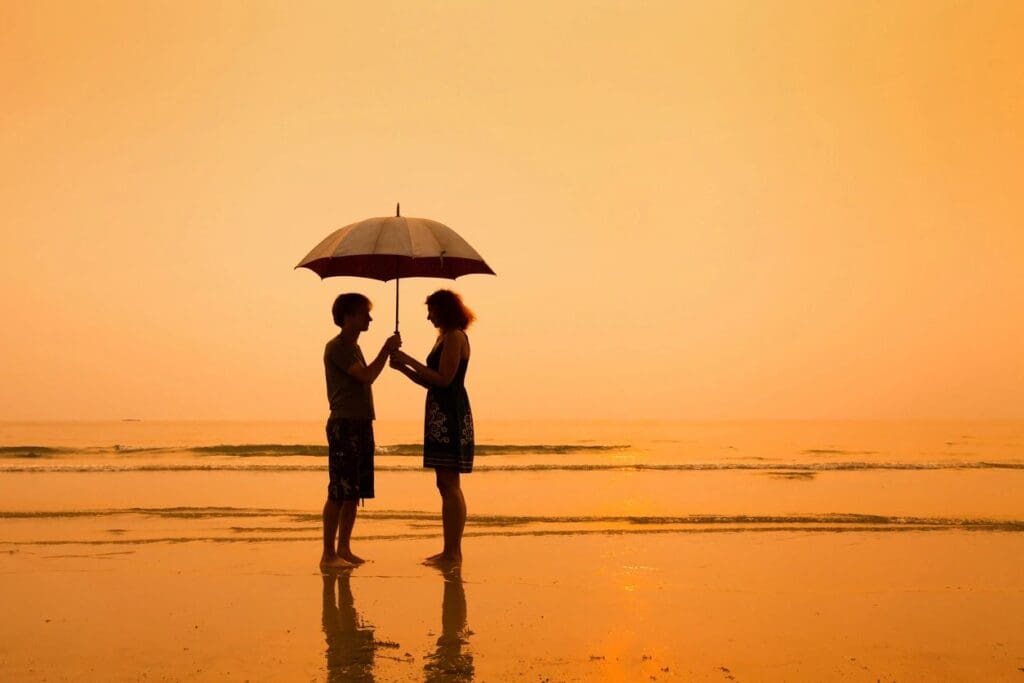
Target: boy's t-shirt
x=348, y=397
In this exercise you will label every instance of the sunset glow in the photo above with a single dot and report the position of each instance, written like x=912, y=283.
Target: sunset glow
x=697, y=210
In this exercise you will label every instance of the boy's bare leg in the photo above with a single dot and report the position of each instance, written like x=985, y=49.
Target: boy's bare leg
x=330, y=559
x=347, y=521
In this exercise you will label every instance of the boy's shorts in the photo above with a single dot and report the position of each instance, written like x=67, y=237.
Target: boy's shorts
x=349, y=459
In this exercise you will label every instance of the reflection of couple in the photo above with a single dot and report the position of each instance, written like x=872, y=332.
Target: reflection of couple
x=351, y=644
x=448, y=424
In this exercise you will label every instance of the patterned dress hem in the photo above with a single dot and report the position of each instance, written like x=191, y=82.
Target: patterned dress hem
x=444, y=461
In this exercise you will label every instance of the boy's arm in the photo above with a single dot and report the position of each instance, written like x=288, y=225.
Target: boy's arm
x=368, y=373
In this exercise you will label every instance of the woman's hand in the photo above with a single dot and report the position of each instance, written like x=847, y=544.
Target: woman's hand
x=399, y=358
x=393, y=342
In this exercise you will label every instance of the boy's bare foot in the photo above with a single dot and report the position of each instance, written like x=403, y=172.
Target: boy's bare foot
x=443, y=560
x=351, y=557
x=334, y=562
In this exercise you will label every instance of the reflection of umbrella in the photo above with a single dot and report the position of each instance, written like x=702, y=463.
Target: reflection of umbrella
x=392, y=248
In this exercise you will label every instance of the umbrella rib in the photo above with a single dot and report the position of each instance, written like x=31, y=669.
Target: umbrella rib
x=376, y=241
x=437, y=242
x=440, y=250
x=338, y=237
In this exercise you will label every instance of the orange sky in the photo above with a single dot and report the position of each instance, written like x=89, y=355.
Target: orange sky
x=696, y=210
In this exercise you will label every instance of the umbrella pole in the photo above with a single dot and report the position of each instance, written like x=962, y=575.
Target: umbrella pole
x=396, y=304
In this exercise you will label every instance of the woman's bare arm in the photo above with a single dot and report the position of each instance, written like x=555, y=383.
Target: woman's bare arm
x=408, y=372
x=451, y=356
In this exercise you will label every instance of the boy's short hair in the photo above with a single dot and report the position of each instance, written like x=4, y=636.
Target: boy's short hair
x=348, y=304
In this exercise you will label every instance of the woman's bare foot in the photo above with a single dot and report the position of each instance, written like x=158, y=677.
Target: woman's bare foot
x=334, y=562
x=351, y=557
x=444, y=560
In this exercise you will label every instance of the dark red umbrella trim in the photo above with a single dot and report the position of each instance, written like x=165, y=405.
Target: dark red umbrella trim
x=384, y=267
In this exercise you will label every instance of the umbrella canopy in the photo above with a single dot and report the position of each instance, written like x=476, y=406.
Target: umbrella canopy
x=394, y=247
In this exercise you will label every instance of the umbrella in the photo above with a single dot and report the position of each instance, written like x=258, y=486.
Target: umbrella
x=394, y=247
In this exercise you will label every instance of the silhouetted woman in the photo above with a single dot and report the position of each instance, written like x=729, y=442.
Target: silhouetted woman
x=448, y=424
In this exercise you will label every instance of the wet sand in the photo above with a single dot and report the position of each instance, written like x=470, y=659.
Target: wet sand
x=701, y=605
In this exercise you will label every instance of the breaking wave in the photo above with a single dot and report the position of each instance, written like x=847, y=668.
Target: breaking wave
x=257, y=449
x=30, y=451
x=284, y=450
x=792, y=470
x=416, y=449
x=305, y=525
x=848, y=518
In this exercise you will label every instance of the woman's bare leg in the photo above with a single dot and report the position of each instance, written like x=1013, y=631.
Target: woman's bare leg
x=453, y=517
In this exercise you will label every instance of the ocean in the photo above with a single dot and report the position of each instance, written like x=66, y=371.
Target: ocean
x=104, y=483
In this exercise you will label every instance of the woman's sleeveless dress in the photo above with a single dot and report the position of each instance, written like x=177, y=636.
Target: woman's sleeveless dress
x=448, y=425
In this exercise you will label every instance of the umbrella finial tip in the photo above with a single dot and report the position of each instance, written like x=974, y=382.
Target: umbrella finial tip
x=398, y=209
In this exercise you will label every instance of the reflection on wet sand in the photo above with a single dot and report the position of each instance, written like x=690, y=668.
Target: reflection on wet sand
x=449, y=662
x=350, y=642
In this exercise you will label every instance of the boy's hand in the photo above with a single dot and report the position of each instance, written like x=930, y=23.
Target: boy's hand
x=393, y=343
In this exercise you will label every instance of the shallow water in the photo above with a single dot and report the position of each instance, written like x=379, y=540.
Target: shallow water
x=530, y=477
